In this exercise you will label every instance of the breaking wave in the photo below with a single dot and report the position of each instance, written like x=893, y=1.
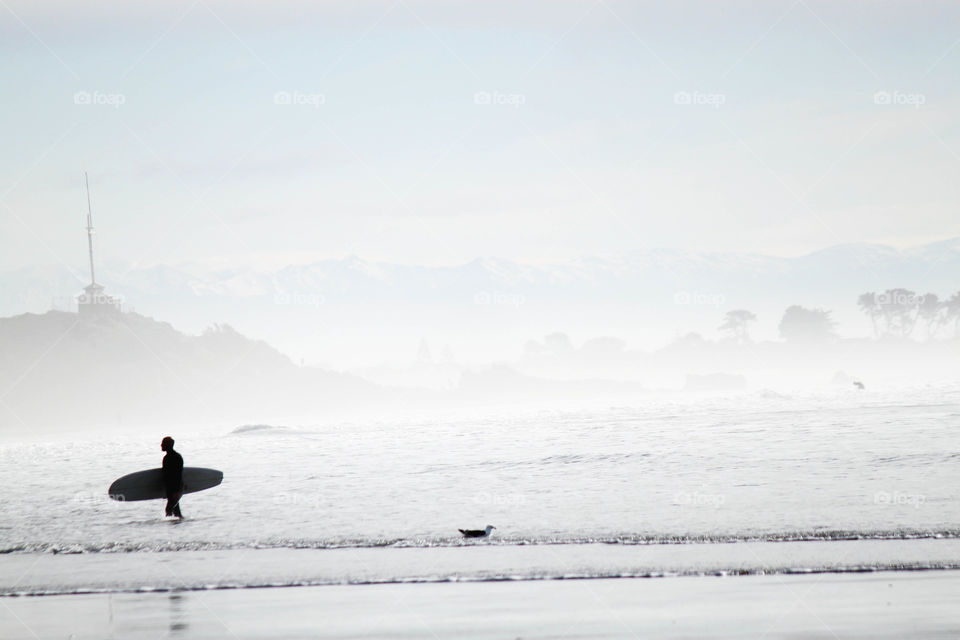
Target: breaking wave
x=434, y=542
x=494, y=577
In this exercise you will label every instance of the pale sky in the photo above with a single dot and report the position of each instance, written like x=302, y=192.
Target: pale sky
x=435, y=132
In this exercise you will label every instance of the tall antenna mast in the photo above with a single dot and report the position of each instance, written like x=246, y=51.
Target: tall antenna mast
x=89, y=228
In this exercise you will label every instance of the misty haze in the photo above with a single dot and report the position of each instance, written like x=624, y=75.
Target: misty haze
x=600, y=319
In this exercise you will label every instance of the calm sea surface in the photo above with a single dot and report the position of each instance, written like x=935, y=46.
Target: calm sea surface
x=762, y=467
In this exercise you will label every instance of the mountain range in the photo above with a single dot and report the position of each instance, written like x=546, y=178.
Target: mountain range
x=328, y=311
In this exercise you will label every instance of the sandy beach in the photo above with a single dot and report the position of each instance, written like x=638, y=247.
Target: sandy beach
x=874, y=605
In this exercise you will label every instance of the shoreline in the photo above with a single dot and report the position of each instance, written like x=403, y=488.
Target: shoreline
x=837, y=535
x=45, y=574
x=478, y=580
x=874, y=605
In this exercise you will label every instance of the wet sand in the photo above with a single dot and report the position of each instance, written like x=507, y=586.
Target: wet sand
x=867, y=605
x=55, y=574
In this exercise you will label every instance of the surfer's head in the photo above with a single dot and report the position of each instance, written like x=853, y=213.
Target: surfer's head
x=166, y=444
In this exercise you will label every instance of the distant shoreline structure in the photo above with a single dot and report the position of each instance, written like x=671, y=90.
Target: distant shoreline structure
x=94, y=302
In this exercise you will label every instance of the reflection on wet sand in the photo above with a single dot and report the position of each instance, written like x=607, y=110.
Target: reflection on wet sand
x=178, y=623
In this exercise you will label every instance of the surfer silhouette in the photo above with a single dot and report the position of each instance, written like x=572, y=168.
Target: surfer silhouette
x=172, y=477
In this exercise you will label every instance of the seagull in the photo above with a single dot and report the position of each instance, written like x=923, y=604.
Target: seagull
x=477, y=533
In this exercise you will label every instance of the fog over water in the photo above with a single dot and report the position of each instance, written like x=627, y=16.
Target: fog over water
x=477, y=293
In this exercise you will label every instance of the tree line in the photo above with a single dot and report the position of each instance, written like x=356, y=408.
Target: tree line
x=897, y=312
x=894, y=312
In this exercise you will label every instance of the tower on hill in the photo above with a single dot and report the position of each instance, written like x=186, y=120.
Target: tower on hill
x=94, y=302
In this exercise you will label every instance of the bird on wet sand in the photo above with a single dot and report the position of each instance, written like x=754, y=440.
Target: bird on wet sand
x=477, y=533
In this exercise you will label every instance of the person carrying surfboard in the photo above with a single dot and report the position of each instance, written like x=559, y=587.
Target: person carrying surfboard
x=172, y=477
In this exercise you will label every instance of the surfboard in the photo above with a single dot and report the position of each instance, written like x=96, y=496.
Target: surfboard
x=148, y=485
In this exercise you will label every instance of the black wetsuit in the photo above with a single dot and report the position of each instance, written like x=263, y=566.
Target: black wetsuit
x=173, y=481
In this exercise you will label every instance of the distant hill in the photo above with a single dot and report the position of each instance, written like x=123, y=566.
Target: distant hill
x=354, y=312
x=63, y=371
x=60, y=369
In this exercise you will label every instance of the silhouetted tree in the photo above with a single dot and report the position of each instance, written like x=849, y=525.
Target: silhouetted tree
x=868, y=304
x=934, y=311
x=558, y=343
x=446, y=355
x=736, y=322
x=423, y=352
x=953, y=313
x=899, y=309
x=806, y=325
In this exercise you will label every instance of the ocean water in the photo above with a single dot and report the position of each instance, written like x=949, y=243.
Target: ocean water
x=837, y=480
